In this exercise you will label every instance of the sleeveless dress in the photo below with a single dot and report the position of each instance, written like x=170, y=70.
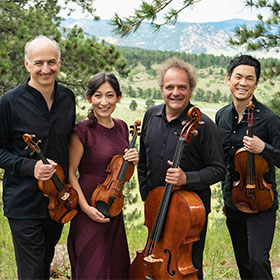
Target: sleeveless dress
x=97, y=250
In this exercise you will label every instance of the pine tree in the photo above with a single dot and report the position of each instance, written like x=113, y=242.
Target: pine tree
x=82, y=57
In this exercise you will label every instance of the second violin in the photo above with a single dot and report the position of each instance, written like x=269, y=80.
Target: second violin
x=251, y=193
x=108, y=197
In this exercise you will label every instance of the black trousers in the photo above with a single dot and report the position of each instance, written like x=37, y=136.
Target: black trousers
x=252, y=236
x=34, y=242
x=197, y=251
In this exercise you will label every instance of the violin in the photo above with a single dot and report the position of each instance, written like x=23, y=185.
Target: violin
x=63, y=198
x=108, y=197
x=251, y=193
x=175, y=218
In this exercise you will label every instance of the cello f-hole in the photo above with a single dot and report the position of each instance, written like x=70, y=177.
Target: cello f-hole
x=166, y=251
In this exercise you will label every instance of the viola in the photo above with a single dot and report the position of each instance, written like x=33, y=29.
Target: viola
x=174, y=218
x=251, y=193
x=63, y=198
x=108, y=197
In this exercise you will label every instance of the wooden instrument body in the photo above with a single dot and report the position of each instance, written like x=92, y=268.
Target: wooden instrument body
x=184, y=222
x=63, y=198
x=113, y=186
x=61, y=210
x=246, y=199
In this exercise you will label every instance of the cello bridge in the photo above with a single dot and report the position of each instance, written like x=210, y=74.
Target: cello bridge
x=65, y=196
x=250, y=186
x=151, y=259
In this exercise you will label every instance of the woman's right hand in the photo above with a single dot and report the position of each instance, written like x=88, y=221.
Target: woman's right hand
x=96, y=215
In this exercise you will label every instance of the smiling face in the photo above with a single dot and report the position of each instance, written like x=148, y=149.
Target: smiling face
x=43, y=63
x=242, y=83
x=176, y=91
x=104, y=101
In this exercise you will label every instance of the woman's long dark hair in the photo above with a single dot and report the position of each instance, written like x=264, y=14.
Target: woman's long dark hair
x=94, y=83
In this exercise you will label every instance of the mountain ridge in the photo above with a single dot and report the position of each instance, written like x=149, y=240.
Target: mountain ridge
x=190, y=37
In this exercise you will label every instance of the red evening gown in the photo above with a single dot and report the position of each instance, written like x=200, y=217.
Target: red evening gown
x=97, y=250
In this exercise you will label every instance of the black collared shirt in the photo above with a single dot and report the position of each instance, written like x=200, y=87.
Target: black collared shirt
x=202, y=158
x=24, y=110
x=266, y=126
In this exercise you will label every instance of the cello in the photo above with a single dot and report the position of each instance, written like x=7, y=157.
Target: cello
x=63, y=198
x=174, y=218
x=108, y=197
x=251, y=193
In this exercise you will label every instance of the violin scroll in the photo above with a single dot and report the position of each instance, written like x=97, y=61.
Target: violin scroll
x=28, y=139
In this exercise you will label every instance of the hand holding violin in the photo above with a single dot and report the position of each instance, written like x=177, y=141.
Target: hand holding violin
x=44, y=172
x=95, y=215
x=253, y=144
x=131, y=155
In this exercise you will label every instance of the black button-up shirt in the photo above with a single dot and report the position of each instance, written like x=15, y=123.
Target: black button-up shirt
x=24, y=110
x=266, y=126
x=202, y=158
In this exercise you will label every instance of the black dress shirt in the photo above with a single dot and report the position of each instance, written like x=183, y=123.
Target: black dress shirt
x=24, y=110
x=202, y=158
x=266, y=126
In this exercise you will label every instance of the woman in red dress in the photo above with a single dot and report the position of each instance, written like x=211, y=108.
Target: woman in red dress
x=97, y=245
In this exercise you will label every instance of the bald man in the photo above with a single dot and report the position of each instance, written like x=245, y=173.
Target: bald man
x=46, y=109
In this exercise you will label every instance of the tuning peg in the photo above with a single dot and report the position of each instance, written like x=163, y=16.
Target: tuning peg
x=195, y=132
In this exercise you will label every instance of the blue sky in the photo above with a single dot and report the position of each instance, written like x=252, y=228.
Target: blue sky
x=203, y=11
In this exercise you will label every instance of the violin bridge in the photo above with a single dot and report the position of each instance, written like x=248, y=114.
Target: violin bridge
x=249, y=186
x=65, y=196
x=151, y=259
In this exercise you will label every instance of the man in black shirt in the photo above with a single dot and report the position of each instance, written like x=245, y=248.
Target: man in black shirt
x=251, y=233
x=202, y=161
x=42, y=107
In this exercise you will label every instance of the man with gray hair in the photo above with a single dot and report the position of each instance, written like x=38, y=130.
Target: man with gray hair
x=202, y=160
x=46, y=109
